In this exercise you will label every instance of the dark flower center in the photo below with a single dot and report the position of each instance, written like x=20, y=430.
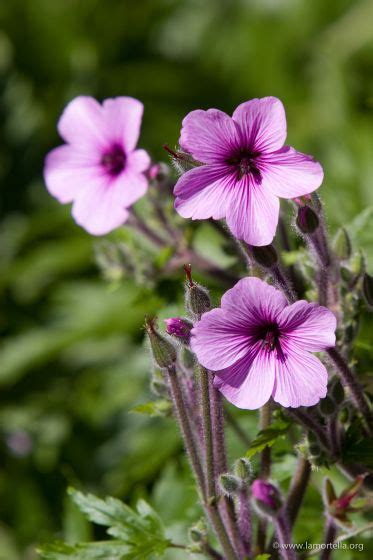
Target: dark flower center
x=245, y=163
x=114, y=160
x=270, y=337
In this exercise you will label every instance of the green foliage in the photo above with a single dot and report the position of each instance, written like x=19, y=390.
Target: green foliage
x=160, y=407
x=268, y=437
x=138, y=534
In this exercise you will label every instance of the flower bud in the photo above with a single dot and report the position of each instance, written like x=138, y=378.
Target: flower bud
x=187, y=358
x=265, y=256
x=182, y=161
x=196, y=296
x=230, y=484
x=267, y=497
x=342, y=245
x=368, y=290
x=164, y=352
x=198, y=533
x=307, y=220
x=243, y=469
x=179, y=328
x=357, y=263
x=327, y=406
x=315, y=449
x=336, y=391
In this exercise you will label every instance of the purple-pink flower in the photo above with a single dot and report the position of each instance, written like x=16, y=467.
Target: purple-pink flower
x=246, y=167
x=179, y=327
x=266, y=493
x=99, y=168
x=259, y=346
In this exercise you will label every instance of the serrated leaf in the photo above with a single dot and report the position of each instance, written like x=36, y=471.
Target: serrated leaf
x=267, y=437
x=141, y=531
x=161, y=407
x=104, y=550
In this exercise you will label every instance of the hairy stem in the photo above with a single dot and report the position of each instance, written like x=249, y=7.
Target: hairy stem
x=297, y=489
x=244, y=521
x=210, y=480
x=264, y=472
x=283, y=534
x=348, y=379
x=210, y=507
x=329, y=538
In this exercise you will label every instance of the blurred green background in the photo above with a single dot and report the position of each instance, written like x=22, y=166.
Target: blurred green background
x=72, y=359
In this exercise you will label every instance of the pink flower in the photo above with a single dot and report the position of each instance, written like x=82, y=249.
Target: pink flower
x=179, y=327
x=259, y=346
x=98, y=169
x=246, y=168
x=266, y=493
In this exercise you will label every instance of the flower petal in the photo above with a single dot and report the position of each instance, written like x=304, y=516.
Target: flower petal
x=123, y=117
x=249, y=382
x=210, y=136
x=204, y=192
x=288, y=173
x=68, y=170
x=262, y=123
x=100, y=208
x=252, y=302
x=253, y=213
x=82, y=123
x=301, y=379
x=309, y=325
x=218, y=341
x=138, y=161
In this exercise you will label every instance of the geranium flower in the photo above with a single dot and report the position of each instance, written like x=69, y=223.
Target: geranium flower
x=259, y=346
x=98, y=169
x=246, y=168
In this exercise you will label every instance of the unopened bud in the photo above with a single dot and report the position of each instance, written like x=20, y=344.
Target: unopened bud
x=196, y=296
x=182, y=161
x=164, y=352
x=265, y=256
x=337, y=392
x=307, y=220
x=230, y=484
x=368, y=290
x=198, y=533
x=267, y=497
x=342, y=245
x=243, y=469
x=315, y=450
x=357, y=263
x=329, y=494
x=327, y=406
x=179, y=328
x=187, y=358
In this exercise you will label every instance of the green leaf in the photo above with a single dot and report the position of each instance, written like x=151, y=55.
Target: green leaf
x=105, y=550
x=142, y=530
x=262, y=557
x=161, y=407
x=267, y=437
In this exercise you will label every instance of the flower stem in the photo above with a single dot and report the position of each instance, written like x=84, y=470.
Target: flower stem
x=186, y=430
x=348, y=378
x=264, y=472
x=283, y=533
x=210, y=481
x=244, y=521
x=329, y=539
x=297, y=489
x=283, y=283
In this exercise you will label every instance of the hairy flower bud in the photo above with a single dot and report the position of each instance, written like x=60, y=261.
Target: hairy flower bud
x=337, y=391
x=198, y=533
x=179, y=328
x=307, y=220
x=230, y=484
x=368, y=290
x=196, y=296
x=327, y=406
x=164, y=352
x=243, y=469
x=342, y=245
x=265, y=256
x=357, y=263
x=267, y=497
